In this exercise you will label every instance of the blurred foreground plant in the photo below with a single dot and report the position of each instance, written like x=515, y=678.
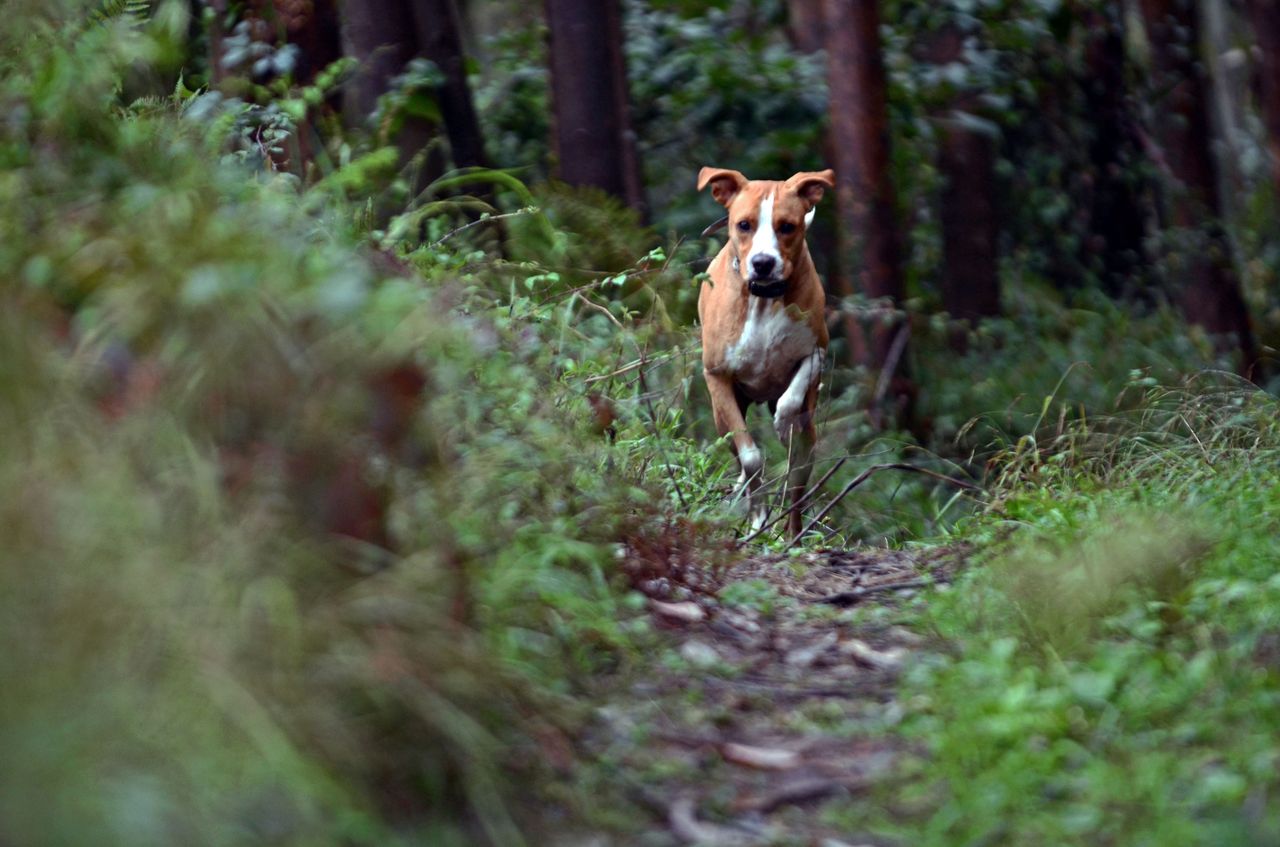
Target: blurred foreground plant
x=294, y=553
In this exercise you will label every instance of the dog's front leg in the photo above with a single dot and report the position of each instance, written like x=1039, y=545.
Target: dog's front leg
x=793, y=418
x=729, y=420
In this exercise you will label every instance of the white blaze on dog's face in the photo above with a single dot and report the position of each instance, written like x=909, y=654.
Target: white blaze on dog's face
x=767, y=220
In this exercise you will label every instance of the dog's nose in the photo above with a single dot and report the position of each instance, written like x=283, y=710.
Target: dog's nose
x=763, y=265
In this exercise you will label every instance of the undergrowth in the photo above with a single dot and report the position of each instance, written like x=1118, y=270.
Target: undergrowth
x=300, y=547
x=1110, y=672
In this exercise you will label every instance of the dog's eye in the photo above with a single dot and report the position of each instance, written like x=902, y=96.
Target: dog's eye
x=786, y=228
x=745, y=226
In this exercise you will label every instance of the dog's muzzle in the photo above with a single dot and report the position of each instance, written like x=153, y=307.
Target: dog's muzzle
x=764, y=280
x=766, y=287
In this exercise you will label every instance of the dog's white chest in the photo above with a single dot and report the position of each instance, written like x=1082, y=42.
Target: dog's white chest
x=771, y=345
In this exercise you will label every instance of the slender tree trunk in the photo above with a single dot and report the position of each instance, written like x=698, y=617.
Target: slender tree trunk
x=807, y=32
x=970, y=279
x=805, y=26
x=1117, y=215
x=592, y=137
x=1227, y=83
x=1266, y=28
x=869, y=260
x=1211, y=295
x=216, y=36
x=440, y=40
x=379, y=35
x=966, y=160
x=471, y=44
x=312, y=25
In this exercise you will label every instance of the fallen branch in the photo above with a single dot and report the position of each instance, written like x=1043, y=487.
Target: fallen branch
x=853, y=595
x=800, y=791
x=685, y=825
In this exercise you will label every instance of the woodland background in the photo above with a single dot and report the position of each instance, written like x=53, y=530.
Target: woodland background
x=352, y=413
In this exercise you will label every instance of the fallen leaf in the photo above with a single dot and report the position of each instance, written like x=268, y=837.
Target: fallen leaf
x=763, y=758
x=699, y=654
x=803, y=657
x=687, y=612
x=885, y=660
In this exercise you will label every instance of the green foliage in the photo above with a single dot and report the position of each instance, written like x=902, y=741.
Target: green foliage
x=1112, y=672
x=1050, y=360
x=199, y=379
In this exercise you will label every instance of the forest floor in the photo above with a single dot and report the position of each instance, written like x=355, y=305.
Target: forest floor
x=771, y=700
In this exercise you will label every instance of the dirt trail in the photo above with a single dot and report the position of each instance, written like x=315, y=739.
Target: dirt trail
x=768, y=703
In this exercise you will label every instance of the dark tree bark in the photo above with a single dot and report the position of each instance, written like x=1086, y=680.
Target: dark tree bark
x=379, y=35
x=1266, y=28
x=869, y=261
x=1117, y=215
x=966, y=160
x=312, y=25
x=440, y=40
x=592, y=137
x=807, y=31
x=383, y=36
x=970, y=279
x=217, y=73
x=805, y=26
x=1211, y=295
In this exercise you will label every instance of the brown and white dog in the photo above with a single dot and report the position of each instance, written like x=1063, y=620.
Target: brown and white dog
x=764, y=335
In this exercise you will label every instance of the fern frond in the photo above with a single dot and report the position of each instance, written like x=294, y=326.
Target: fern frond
x=133, y=12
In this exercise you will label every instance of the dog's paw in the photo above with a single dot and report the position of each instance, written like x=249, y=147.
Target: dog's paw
x=789, y=421
x=751, y=461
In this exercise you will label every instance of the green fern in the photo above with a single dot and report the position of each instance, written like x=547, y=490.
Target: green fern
x=134, y=12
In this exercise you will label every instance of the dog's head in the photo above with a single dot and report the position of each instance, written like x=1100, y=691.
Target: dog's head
x=767, y=221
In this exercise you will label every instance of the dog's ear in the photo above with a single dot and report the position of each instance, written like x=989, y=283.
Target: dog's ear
x=725, y=184
x=812, y=184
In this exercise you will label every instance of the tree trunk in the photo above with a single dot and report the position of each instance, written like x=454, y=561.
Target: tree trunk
x=311, y=25
x=1117, y=216
x=379, y=35
x=215, y=35
x=869, y=251
x=807, y=32
x=1266, y=28
x=1211, y=295
x=970, y=279
x=805, y=26
x=440, y=40
x=966, y=160
x=592, y=137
